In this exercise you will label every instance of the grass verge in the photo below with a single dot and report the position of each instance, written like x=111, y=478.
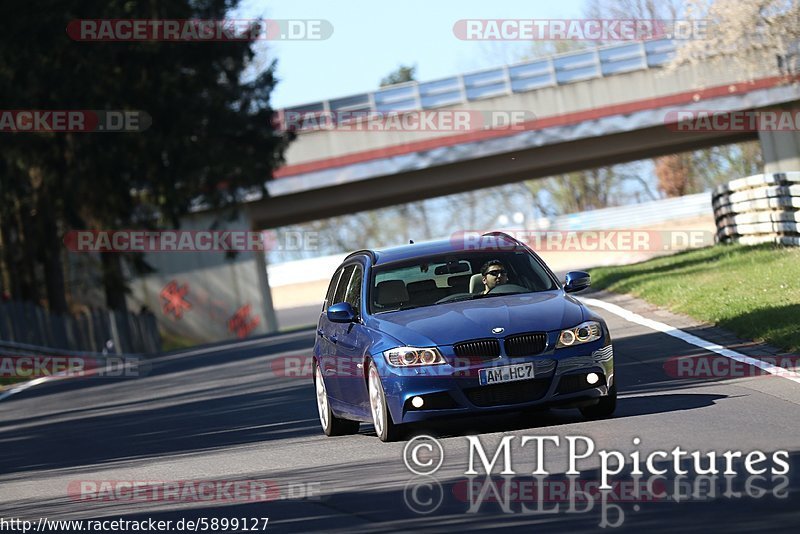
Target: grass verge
x=752, y=291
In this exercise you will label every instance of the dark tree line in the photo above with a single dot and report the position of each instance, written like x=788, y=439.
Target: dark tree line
x=211, y=136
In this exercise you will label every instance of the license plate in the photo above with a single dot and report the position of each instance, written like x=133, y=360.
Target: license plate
x=506, y=373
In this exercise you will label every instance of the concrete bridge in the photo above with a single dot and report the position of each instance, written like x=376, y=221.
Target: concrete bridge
x=586, y=109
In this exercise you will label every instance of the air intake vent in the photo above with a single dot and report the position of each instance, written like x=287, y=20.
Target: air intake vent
x=479, y=348
x=526, y=344
x=511, y=393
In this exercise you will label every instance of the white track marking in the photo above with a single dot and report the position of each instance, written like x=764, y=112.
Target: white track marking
x=692, y=339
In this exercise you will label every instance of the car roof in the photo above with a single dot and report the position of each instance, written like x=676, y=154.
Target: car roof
x=459, y=242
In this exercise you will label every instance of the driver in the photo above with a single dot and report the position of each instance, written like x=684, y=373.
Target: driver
x=494, y=274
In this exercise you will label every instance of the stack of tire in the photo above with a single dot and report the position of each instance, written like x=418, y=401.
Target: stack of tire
x=764, y=208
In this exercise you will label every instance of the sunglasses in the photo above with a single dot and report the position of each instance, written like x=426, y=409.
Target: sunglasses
x=497, y=273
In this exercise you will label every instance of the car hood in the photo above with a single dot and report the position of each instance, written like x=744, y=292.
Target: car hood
x=445, y=324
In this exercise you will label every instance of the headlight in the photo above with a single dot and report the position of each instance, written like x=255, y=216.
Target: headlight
x=412, y=356
x=583, y=333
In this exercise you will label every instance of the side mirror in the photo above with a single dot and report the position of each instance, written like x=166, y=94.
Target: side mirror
x=342, y=312
x=576, y=281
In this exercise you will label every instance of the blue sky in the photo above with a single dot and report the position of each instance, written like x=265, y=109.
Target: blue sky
x=372, y=38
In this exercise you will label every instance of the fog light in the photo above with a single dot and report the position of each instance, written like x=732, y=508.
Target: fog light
x=417, y=402
x=592, y=378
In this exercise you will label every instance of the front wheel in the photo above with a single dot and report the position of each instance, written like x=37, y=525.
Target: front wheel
x=381, y=418
x=604, y=408
x=331, y=425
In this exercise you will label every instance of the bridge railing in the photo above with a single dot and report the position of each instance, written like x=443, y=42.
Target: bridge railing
x=516, y=78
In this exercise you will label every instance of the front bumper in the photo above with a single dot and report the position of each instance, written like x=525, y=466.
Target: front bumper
x=454, y=388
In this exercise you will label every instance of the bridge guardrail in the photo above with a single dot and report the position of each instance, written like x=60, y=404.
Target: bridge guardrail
x=517, y=78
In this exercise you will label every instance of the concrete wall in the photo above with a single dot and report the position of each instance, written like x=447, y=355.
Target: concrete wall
x=204, y=296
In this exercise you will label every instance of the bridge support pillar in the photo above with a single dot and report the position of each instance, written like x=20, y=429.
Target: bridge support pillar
x=781, y=149
x=270, y=319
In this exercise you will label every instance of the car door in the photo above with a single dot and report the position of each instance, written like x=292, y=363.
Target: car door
x=329, y=331
x=350, y=346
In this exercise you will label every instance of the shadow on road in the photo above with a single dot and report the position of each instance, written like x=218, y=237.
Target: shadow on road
x=231, y=398
x=649, y=502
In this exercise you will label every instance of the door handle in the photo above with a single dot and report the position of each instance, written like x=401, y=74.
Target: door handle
x=333, y=338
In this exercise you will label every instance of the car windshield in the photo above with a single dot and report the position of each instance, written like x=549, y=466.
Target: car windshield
x=441, y=279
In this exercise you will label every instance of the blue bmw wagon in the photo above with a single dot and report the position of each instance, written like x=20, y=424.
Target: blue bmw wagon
x=455, y=327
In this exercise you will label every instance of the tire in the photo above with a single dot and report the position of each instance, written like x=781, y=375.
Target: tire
x=331, y=425
x=604, y=408
x=381, y=417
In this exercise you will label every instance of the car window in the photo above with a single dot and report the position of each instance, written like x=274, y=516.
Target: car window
x=353, y=295
x=341, y=287
x=414, y=283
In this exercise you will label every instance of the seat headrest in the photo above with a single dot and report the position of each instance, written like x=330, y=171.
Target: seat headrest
x=476, y=284
x=391, y=292
x=422, y=286
x=460, y=280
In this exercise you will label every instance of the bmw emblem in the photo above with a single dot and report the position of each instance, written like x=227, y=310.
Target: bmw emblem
x=498, y=330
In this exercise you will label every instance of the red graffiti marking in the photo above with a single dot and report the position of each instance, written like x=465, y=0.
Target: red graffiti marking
x=242, y=323
x=173, y=301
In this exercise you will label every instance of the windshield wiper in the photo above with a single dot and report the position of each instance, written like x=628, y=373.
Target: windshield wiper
x=465, y=297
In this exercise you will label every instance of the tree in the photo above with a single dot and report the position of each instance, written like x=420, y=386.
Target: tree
x=674, y=174
x=634, y=9
x=402, y=74
x=749, y=36
x=211, y=137
x=575, y=191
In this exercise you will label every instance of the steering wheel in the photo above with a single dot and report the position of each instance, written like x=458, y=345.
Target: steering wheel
x=507, y=288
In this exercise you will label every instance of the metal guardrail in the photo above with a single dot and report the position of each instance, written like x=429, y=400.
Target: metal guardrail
x=635, y=215
x=23, y=324
x=517, y=78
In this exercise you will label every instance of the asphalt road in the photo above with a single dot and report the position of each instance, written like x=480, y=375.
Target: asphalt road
x=223, y=414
